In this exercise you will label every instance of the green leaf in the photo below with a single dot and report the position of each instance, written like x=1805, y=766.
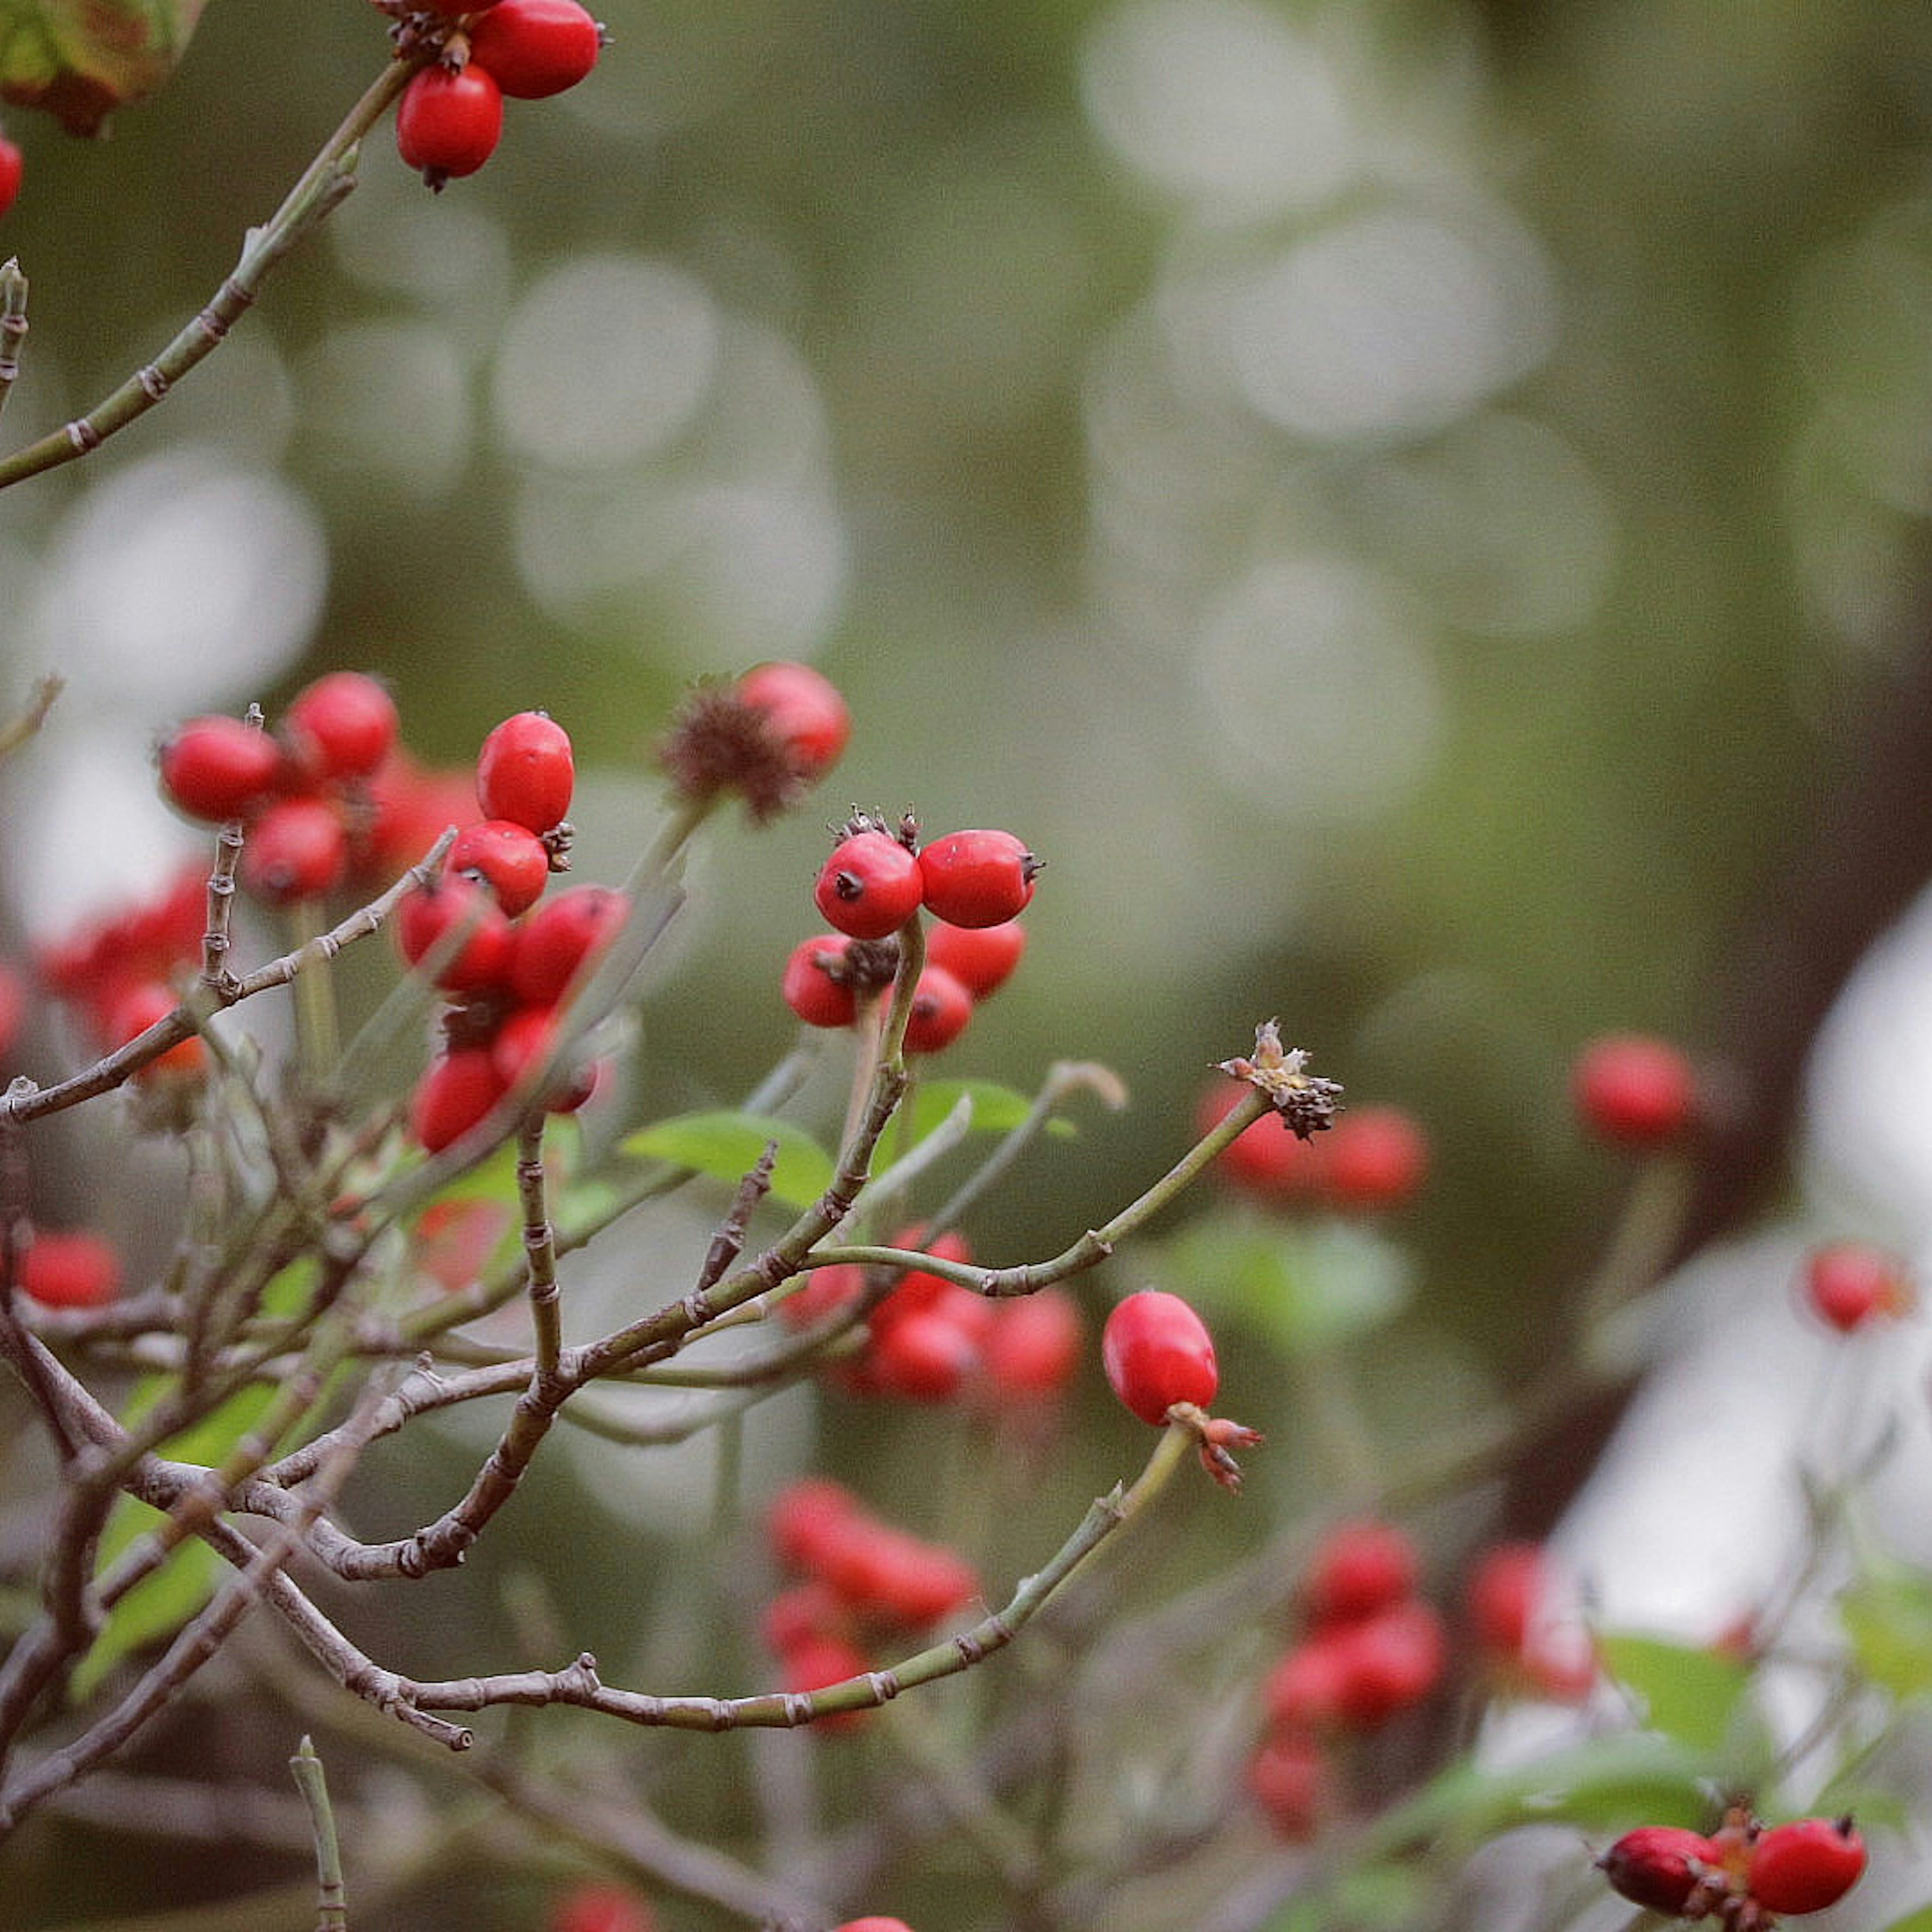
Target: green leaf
x=1920, y=1920
x=996, y=1109
x=1888, y=1615
x=1688, y=1693
x=81, y=59
x=1306, y=1288
x=728, y=1146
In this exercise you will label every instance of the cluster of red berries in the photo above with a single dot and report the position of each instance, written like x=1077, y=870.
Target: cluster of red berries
x=1746, y=1874
x=508, y=964
x=767, y=736
x=928, y=1338
x=862, y=1581
x=1159, y=1360
x=1371, y=1159
x=450, y=117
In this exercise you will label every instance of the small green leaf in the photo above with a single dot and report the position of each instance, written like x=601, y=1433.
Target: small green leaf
x=81, y=59
x=1920, y=1920
x=156, y=1607
x=728, y=1146
x=1888, y=1615
x=996, y=1109
x=1305, y=1288
x=1688, y=1693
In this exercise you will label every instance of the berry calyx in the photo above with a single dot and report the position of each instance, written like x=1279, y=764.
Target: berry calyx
x=526, y=770
x=448, y=124
x=1157, y=1352
x=976, y=878
x=218, y=768
x=1849, y=1284
x=1635, y=1089
x=870, y=886
x=342, y=726
x=1805, y=1865
x=1660, y=1866
x=536, y=48
x=510, y=859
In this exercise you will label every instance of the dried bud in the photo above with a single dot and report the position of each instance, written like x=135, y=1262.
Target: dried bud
x=1307, y=1102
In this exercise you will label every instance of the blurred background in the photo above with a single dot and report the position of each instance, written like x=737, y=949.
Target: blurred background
x=1418, y=512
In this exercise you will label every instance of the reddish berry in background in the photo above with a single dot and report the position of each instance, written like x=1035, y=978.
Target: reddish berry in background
x=428, y=918
x=527, y=771
x=509, y=858
x=1289, y=1778
x=925, y=1356
x=297, y=849
x=1635, y=1090
x=408, y=809
x=75, y=1271
x=342, y=726
x=561, y=940
x=216, y=768
x=457, y=1090
x=869, y=887
x=136, y=1008
x=1503, y=1595
x=536, y=48
x=1391, y=1661
x=449, y=124
x=874, y=1924
x=1806, y=1865
x=601, y=1908
x=1658, y=1866
x=1032, y=1345
x=981, y=957
x=1358, y=1568
x=1848, y=1284
x=803, y=711
x=940, y=1008
x=1268, y=1160
x=1373, y=1158
x=976, y=878
x=12, y=1007
x=13, y=171
x=808, y=988
x=1156, y=1351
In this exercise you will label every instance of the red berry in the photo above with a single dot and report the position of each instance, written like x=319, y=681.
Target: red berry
x=70, y=1271
x=1288, y=1778
x=976, y=878
x=836, y=1285
x=13, y=1005
x=1806, y=1865
x=136, y=1008
x=449, y=124
x=524, y=1041
x=218, y=768
x=940, y=1008
x=869, y=887
x=297, y=849
x=601, y=1908
x=808, y=1519
x=804, y=712
x=560, y=941
x=1372, y=1158
x=1392, y=1660
x=1267, y=1160
x=906, y=1582
x=454, y=1240
x=1032, y=1345
x=925, y=1356
x=526, y=772
x=13, y=168
x=1156, y=1351
x=428, y=918
x=808, y=987
x=456, y=1090
x=1503, y=1595
x=1637, y=1090
x=342, y=726
x=873, y=1923
x=408, y=808
x=1308, y=1689
x=981, y=957
x=1358, y=1569
x=509, y=858
x=535, y=48
x=1658, y=1866
x=1850, y=1283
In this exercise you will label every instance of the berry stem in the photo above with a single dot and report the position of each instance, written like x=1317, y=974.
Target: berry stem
x=539, y=1248
x=323, y=185
x=13, y=324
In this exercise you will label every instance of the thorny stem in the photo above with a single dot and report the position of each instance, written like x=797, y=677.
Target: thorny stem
x=324, y=185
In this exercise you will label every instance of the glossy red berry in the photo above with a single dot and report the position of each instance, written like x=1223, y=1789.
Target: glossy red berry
x=527, y=771
x=981, y=957
x=536, y=48
x=449, y=124
x=1156, y=1351
x=458, y=1089
x=940, y=1008
x=1658, y=1866
x=298, y=850
x=1372, y=1159
x=976, y=878
x=802, y=709
x=560, y=943
x=1849, y=1284
x=75, y=1271
x=1358, y=1568
x=524, y=1042
x=218, y=768
x=510, y=859
x=342, y=726
x=429, y=919
x=869, y=887
x=1635, y=1089
x=13, y=170
x=808, y=988
x=601, y=1908
x=1806, y=1865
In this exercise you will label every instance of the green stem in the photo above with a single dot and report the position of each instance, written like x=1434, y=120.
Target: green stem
x=331, y=1902
x=13, y=324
